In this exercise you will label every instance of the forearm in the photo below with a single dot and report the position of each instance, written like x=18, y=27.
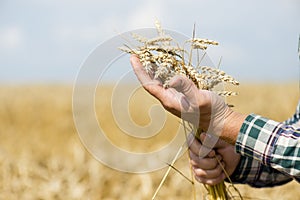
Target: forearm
x=232, y=126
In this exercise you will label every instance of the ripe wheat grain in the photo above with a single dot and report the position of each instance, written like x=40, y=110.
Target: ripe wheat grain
x=162, y=60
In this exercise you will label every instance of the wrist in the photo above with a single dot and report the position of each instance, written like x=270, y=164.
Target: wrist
x=232, y=126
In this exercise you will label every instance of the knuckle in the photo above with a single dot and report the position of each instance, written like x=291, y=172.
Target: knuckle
x=214, y=163
x=193, y=163
x=200, y=173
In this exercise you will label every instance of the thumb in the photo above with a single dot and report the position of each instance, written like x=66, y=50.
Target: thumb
x=210, y=139
x=188, y=89
x=182, y=84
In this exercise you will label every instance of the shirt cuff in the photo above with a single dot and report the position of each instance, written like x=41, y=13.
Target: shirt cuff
x=257, y=138
x=255, y=174
x=246, y=172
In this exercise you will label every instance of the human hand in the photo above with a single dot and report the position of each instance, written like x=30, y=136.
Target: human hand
x=178, y=101
x=208, y=170
x=203, y=108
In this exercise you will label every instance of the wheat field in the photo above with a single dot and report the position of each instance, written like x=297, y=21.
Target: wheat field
x=41, y=156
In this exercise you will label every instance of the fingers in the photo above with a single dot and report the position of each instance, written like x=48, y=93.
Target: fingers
x=141, y=73
x=139, y=70
x=204, y=163
x=181, y=98
x=208, y=173
x=190, y=92
x=197, y=149
x=207, y=169
x=154, y=87
x=211, y=181
x=212, y=140
x=170, y=98
x=181, y=84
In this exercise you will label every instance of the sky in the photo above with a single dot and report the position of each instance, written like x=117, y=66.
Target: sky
x=46, y=41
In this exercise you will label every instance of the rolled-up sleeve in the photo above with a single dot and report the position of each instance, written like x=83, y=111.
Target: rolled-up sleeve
x=272, y=143
x=254, y=173
x=269, y=151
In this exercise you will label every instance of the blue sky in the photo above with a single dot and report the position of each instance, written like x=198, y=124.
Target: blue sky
x=48, y=40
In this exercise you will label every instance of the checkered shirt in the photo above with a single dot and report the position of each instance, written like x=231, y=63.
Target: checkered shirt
x=270, y=151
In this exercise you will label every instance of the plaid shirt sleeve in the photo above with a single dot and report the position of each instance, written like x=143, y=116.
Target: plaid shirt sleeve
x=254, y=173
x=270, y=152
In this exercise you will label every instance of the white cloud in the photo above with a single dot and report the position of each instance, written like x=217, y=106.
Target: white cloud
x=11, y=38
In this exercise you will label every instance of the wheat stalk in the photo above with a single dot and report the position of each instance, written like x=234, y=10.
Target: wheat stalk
x=164, y=61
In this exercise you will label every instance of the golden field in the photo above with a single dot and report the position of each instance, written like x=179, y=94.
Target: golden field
x=41, y=156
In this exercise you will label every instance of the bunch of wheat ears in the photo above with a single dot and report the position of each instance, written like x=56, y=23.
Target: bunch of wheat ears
x=163, y=60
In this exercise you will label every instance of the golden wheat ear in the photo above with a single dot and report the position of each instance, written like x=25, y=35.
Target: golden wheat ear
x=165, y=61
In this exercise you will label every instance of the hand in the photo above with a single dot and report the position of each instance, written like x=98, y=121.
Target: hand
x=207, y=170
x=179, y=98
x=200, y=107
